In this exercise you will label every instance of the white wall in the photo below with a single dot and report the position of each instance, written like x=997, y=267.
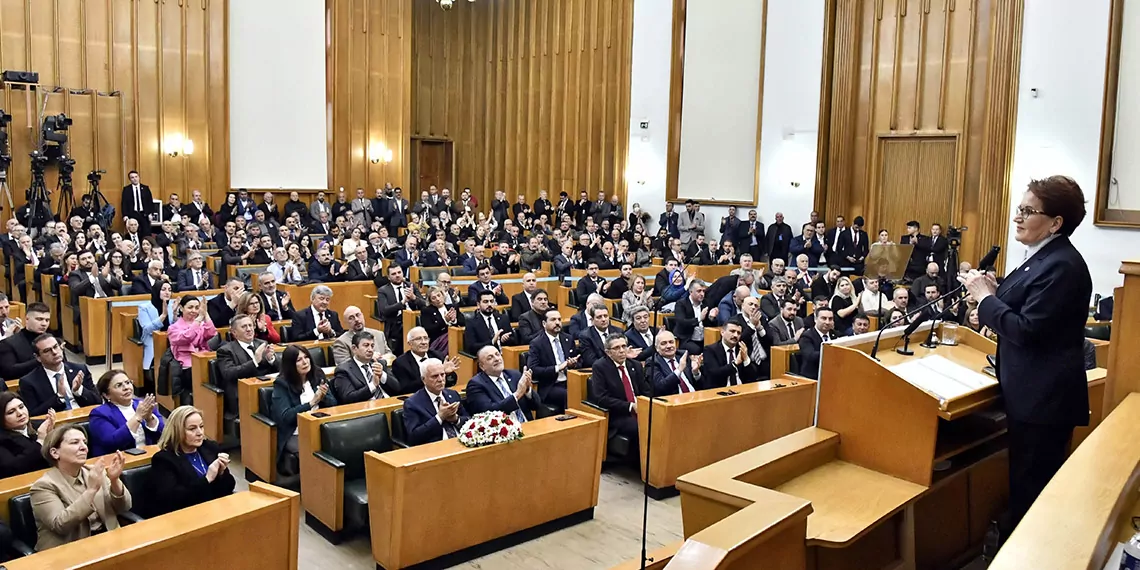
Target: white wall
x=1058, y=132
x=791, y=110
x=277, y=94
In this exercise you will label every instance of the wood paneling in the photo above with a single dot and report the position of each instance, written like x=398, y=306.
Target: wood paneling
x=920, y=68
x=534, y=94
x=916, y=179
x=130, y=73
x=369, y=91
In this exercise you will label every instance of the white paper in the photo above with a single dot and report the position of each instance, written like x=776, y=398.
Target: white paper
x=941, y=377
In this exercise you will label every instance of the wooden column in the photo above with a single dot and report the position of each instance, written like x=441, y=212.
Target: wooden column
x=1001, y=122
x=1124, y=347
x=838, y=104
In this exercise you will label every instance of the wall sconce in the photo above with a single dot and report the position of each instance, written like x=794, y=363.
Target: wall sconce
x=380, y=154
x=178, y=145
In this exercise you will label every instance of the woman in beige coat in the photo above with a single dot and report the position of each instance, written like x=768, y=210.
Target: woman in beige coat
x=72, y=500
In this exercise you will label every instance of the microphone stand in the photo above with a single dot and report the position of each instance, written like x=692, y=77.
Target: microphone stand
x=906, y=338
x=645, y=485
x=929, y=343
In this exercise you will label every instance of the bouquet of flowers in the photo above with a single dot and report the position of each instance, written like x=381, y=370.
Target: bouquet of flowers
x=488, y=428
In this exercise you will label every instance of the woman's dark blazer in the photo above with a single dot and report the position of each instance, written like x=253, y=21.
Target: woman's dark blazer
x=19, y=454
x=434, y=324
x=287, y=404
x=177, y=485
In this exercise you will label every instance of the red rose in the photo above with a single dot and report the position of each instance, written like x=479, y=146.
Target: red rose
x=494, y=423
x=503, y=432
x=469, y=434
x=508, y=422
x=480, y=429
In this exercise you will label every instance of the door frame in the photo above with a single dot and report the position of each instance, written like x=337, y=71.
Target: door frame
x=449, y=156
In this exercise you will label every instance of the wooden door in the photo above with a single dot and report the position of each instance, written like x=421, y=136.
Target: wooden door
x=916, y=182
x=434, y=160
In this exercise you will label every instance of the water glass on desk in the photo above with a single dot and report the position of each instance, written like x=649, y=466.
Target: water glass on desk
x=950, y=334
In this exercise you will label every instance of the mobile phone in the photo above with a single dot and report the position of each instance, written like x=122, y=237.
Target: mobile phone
x=401, y=398
x=135, y=451
x=565, y=417
x=723, y=393
x=320, y=415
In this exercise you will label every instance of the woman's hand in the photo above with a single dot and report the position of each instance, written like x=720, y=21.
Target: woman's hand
x=115, y=468
x=46, y=426
x=319, y=395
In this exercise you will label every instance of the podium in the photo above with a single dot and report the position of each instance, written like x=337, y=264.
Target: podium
x=901, y=470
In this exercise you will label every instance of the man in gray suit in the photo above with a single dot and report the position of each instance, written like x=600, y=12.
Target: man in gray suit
x=8, y=325
x=786, y=328
x=342, y=346
x=691, y=223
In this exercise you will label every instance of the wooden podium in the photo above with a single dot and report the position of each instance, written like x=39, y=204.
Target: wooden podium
x=866, y=473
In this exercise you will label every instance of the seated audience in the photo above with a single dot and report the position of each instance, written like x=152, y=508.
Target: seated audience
x=406, y=368
x=190, y=334
x=433, y=413
x=245, y=356
x=156, y=316
x=861, y=325
x=189, y=469
x=487, y=327
x=362, y=378
x=20, y=443
x=17, y=353
x=530, y=321
x=342, y=346
x=672, y=373
x=496, y=389
x=551, y=354
x=221, y=307
x=640, y=336
x=729, y=362
x=194, y=277
x=845, y=304
x=592, y=340
x=317, y=321
x=249, y=304
x=56, y=384
x=438, y=316
x=636, y=296
x=277, y=303
x=616, y=383
x=124, y=421
x=811, y=342
x=71, y=500
x=301, y=387
x=872, y=301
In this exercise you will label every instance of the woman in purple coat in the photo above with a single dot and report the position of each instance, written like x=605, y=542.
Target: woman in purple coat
x=123, y=421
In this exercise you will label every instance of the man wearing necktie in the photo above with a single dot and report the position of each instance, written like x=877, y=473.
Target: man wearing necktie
x=487, y=327
x=617, y=382
x=434, y=412
x=362, y=377
x=495, y=388
x=56, y=384
x=674, y=373
x=728, y=362
x=137, y=202
x=812, y=341
x=243, y=357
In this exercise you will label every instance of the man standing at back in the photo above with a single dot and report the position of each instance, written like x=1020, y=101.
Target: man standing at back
x=137, y=202
x=689, y=318
x=691, y=223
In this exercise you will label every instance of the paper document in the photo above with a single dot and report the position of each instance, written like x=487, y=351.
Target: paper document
x=941, y=377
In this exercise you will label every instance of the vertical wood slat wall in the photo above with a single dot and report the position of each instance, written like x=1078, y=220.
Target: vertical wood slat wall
x=131, y=74
x=534, y=93
x=369, y=92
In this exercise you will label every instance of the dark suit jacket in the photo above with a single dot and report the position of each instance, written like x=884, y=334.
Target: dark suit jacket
x=141, y=285
x=484, y=396
x=917, y=264
x=220, y=313
x=17, y=356
x=821, y=288
x=82, y=286
x=476, y=335
x=476, y=288
x=38, y=391
x=390, y=311
x=406, y=372
x=592, y=347
x=637, y=341
x=128, y=204
x=719, y=368
x=19, y=454
x=434, y=324
x=542, y=361
x=530, y=326
x=186, y=280
x=286, y=310
x=404, y=260
x=743, y=241
x=234, y=364
x=778, y=330
x=1039, y=314
x=938, y=249
x=304, y=321
x=324, y=274
x=811, y=347
x=608, y=390
x=350, y=385
x=586, y=286
x=419, y=417
x=770, y=305
x=813, y=250
x=686, y=319
x=520, y=304
x=847, y=247
x=666, y=382
x=180, y=484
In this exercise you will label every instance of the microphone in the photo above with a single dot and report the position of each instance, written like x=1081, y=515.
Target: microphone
x=987, y=261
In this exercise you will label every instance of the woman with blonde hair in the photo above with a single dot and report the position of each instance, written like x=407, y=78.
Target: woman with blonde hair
x=188, y=469
x=249, y=303
x=845, y=305
x=636, y=296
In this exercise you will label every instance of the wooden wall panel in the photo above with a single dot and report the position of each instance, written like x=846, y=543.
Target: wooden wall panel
x=534, y=94
x=130, y=73
x=920, y=68
x=369, y=72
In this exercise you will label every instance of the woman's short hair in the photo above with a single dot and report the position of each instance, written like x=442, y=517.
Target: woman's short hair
x=174, y=434
x=54, y=439
x=243, y=303
x=1061, y=196
x=104, y=382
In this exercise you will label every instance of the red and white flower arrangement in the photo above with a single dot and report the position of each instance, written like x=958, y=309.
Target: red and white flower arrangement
x=488, y=428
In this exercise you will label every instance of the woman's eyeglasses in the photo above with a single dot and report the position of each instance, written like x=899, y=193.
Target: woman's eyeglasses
x=1026, y=211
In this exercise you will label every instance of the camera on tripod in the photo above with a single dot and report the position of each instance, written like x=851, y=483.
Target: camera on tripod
x=95, y=176
x=955, y=235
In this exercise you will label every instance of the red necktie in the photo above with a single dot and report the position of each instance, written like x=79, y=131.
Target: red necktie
x=629, y=397
x=680, y=378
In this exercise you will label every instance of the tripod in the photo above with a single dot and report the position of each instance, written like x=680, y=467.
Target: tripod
x=66, y=195
x=99, y=202
x=39, y=201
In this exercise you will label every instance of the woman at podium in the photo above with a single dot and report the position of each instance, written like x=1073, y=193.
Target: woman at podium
x=1038, y=314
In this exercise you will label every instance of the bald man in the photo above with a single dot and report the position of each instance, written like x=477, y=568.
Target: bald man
x=342, y=346
x=520, y=302
x=673, y=371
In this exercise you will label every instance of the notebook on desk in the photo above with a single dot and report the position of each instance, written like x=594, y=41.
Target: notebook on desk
x=941, y=378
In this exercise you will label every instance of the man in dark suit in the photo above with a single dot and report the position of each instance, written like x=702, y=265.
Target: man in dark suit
x=521, y=302
x=221, y=307
x=406, y=368
x=831, y=240
x=749, y=237
x=673, y=373
x=931, y=277
x=496, y=389
x=243, y=357
x=728, y=362
x=807, y=244
x=811, y=342
x=640, y=334
x=145, y=283
x=433, y=413
x=277, y=303
x=669, y=220
x=551, y=354
x=17, y=352
x=395, y=298
x=363, y=269
x=921, y=251
x=592, y=339
x=318, y=321
x=487, y=326
x=530, y=322
x=854, y=246
x=1039, y=313
x=324, y=269
x=591, y=282
x=486, y=284
x=615, y=384
x=786, y=328
x=56, y=384
x=409, y=255
x=87, y=281
x=137, y=202
x=939, y=246
x=194, y=277
x=688, y=319
x=824, y=286
x=778, y=239
x=361, y=378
